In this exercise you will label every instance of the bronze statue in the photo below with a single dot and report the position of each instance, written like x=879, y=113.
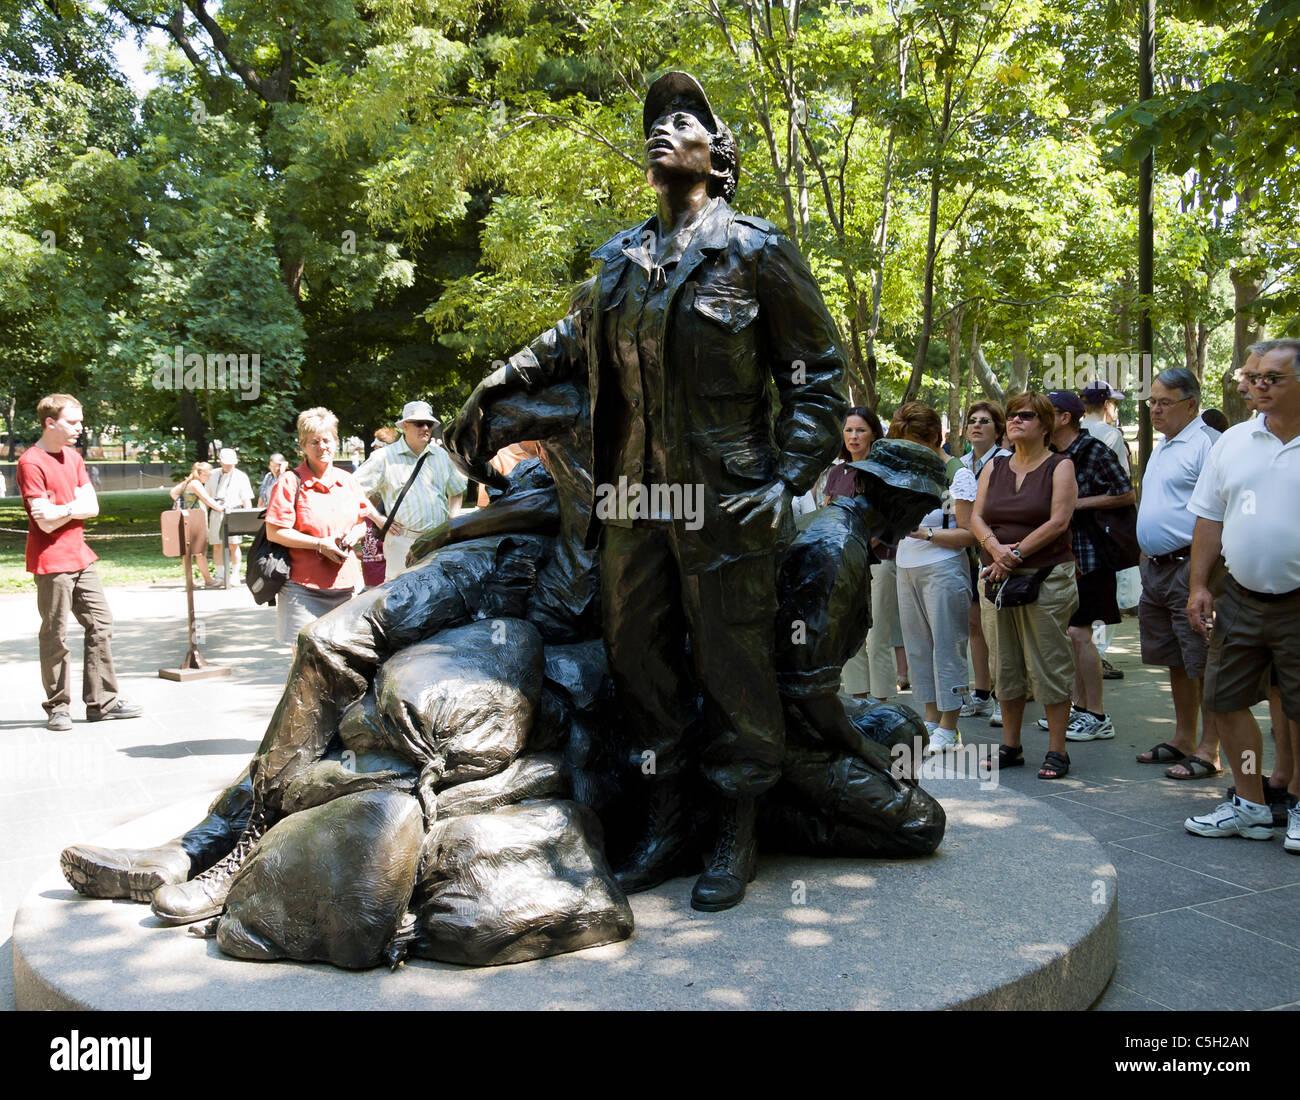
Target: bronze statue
x=698, y=314
x=659, y=376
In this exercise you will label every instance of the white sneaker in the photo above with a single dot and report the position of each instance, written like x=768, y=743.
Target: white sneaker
x=975, y=707
x=1086, y=727
x=941, y=739
x=1075, y=711
x=1234, y=819
x=1292, y=842
x=995, y=719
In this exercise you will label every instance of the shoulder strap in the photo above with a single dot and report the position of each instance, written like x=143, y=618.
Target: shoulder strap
x=402, y=495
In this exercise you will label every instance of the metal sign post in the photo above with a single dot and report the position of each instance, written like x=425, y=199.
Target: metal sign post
x=193, y=667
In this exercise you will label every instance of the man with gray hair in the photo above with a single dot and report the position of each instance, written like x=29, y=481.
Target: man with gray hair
x=1164, y=529
x=1245, y=504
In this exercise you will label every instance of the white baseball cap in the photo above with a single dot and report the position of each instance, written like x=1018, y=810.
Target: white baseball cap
x=228, y=456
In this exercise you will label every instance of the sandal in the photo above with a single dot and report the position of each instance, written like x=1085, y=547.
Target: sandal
x=1163, y=753
x=1009, y=756
x=1197, y=766
x=1055, y=766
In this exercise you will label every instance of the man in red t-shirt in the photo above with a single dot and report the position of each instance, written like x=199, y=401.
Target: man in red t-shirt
x=59, y=498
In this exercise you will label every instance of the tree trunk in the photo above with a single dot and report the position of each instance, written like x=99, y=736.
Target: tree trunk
x=980, y=368
x=931, y=259
x=10, y=410
x=882, y=237
x=1019, y=380
x=194, y=426
x=878, y=275
x=927, y=293
x=954, y=380
x=862, y=382
x=1246, y=283
x=1124, y=313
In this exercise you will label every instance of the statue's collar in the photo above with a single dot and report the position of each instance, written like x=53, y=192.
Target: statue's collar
x=710, y=234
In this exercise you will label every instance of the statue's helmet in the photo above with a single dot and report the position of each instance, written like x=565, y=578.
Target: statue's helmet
x=904, y=481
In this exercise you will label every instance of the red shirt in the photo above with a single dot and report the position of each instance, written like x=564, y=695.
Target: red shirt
x=326, y=507
x=56, y=478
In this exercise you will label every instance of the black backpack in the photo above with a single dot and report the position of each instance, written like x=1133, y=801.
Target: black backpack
x=268, y=562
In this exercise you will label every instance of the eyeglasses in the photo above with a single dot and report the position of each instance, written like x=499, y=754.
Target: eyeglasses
x=1023, y=414
x=978, y=421
x=1164, y=402
x=1272, y=378
x=421, y=423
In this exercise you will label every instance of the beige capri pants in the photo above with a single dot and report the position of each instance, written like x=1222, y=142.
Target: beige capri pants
x=1034, y=639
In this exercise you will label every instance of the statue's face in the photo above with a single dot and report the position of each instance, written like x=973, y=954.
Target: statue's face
x=678, y=144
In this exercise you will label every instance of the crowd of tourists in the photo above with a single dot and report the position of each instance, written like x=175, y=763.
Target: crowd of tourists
x=1009, y=593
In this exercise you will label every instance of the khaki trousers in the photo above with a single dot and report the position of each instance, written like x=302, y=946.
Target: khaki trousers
x=83, y=595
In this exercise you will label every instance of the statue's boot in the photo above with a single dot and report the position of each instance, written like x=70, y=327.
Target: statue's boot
x=204, y=896
x=133, y=873
x=664, y=850
x=735, y=858
x=136, y=873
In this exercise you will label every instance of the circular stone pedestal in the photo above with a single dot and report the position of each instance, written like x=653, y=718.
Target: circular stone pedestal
x=1016, y=910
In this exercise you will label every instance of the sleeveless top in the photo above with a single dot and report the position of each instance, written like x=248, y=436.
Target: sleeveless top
x=1013, y=515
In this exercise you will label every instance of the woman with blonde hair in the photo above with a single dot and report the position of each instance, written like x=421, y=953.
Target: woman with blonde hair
x=317, y=511
x=191, y=494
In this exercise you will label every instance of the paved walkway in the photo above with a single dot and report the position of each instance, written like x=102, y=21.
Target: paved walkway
x=1205, y=924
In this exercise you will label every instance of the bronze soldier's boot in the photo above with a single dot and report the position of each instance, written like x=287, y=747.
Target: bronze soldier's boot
x=136, y=873
x=133, y=873
x=664, y=850
x=735, y=859
x=205, y=895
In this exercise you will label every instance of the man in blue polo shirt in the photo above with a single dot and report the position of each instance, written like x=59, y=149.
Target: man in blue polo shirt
x=1164, y=529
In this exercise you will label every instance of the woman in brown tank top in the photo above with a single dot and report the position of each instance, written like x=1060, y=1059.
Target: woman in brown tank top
x=1021, y=519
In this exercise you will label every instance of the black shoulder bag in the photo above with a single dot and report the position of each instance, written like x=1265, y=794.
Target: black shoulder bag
x=268, y=562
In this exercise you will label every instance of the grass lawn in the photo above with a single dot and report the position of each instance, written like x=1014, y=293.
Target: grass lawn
x=124, y=556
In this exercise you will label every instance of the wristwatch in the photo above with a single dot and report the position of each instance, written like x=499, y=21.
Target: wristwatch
x=1018, y=554
x=929, y=534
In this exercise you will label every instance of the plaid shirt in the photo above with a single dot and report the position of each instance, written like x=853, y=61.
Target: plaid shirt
x=1098, y=473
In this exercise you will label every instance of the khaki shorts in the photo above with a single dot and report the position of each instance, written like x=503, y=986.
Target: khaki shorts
x=1249, y=635
x=1167, y=637
x=1034, y=640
